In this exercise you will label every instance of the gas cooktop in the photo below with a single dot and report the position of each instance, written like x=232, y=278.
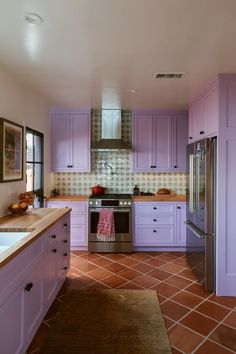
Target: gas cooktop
x=110, y=196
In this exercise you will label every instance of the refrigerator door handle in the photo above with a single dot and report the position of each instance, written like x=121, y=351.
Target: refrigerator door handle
x=191, y=183
x=197, y=232
x=197, y=187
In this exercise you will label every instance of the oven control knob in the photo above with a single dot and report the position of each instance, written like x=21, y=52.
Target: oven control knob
x=91, y=203
x=97, y=202
x=129, y=203
x=125, y=203
x=121, y=203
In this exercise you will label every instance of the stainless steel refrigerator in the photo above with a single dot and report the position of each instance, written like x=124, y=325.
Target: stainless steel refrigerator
x=200, y=223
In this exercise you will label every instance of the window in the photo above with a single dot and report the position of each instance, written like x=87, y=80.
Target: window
x=34, y=164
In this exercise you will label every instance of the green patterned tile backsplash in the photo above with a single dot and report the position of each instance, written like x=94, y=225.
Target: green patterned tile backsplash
x=113, y=169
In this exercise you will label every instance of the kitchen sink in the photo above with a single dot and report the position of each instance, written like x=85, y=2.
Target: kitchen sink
x=9, y=237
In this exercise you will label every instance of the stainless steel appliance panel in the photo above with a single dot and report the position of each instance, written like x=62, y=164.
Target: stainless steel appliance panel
x=201, y=179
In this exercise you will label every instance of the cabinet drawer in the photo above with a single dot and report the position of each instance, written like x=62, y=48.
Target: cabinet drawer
x=78, y=219
x=79, y=236
x=155, y=219
x=154, y=207
x=158, y=236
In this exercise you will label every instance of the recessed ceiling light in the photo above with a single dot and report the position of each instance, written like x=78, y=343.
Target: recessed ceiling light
x=130, y=90
x=33, y=18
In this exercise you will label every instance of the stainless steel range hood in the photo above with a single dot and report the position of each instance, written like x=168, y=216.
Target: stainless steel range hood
x=111, y=132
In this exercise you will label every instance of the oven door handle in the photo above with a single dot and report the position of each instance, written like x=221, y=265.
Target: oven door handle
x=120, y=210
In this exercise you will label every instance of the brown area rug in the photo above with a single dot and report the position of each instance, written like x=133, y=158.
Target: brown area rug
x=108, y=322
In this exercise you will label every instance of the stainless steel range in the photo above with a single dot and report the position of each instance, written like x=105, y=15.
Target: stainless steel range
x=122, y=208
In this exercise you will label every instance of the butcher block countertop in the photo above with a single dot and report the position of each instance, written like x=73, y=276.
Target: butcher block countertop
x=159, y=198
x=69, y=198
x=37, y=223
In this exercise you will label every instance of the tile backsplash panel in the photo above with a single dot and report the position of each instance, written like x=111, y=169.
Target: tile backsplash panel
x=113, y=169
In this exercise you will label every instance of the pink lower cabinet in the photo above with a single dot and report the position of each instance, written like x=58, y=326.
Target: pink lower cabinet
x=78, y=222
x=158, y=224
x=29, y=289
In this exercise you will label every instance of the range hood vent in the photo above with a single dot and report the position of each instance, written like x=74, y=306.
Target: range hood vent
x=111, y=132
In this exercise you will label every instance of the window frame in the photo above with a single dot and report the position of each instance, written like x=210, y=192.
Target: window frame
x=40, y=191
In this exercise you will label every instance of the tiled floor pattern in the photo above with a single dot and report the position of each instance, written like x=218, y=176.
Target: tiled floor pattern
x=196, y=321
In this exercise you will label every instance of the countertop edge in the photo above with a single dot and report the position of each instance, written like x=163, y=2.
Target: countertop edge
x=49, y=220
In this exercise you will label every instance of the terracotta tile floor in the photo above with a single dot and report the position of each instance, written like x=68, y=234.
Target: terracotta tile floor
x=196, y=321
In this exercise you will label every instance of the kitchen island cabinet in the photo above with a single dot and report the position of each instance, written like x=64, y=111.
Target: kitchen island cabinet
x=70, y=136
x=159, y=225
x=159, y=140
x=31, y=277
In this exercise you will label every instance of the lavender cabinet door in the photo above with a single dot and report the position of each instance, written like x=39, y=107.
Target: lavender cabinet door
x=211, y=111
x=61, y=142
x=179, y=142
x=11, y=328
x=143, y=158
x=180, y=237
x=162, y=143
x=33, y=300
x=80, y=142
x=70, y=136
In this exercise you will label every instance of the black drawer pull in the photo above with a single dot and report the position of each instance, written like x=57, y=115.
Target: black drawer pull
x=54, y=250
x=66, y=222
x=65, y=254
x=190, y=138
x=175, y=166
x=178, y=207
x=65, y=268
x=154, y=208
x=154, y=230
x=65, y=241
x=29, y=286
x=53, y=236
x=202, y=132
x=154, y=219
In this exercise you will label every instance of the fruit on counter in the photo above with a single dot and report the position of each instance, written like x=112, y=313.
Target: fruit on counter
x=23, y=205
x=18, y=208
x=27, y=197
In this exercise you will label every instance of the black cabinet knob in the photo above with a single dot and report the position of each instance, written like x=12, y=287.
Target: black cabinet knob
x=154, y=208
x=65, y=254
x=29, y=286
x=53, y=236
x=65, y=241
x=154, y=230
x=154, y=219
x=70, y=166
x=175, y=166
x=202, y=132
x=54, y=250
x=178, y=207
x=65, y=268
x=65, y=223
x=190, y=138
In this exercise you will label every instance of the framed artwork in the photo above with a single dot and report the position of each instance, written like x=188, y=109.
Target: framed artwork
x=11, y=151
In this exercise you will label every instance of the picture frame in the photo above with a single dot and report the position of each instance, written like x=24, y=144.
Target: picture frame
x=11, y=151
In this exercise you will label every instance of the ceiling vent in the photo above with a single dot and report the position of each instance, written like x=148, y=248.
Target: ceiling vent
x=169, y=75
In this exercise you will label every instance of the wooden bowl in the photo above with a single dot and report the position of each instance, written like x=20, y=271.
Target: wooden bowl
x=18, y=209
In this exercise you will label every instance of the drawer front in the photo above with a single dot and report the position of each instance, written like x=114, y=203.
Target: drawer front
x=154, y=207
x=78, y=219
x=152, y=220
x=75, y=206
x=79, y=236
x=159, y=236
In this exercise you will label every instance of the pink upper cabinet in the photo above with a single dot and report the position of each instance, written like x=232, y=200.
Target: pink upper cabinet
x=70, y=136
x=159, y=141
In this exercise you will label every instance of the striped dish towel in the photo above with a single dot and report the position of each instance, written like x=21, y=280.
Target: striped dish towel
x=106, y=225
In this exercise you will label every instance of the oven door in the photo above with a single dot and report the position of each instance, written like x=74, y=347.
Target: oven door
x=122, y=220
